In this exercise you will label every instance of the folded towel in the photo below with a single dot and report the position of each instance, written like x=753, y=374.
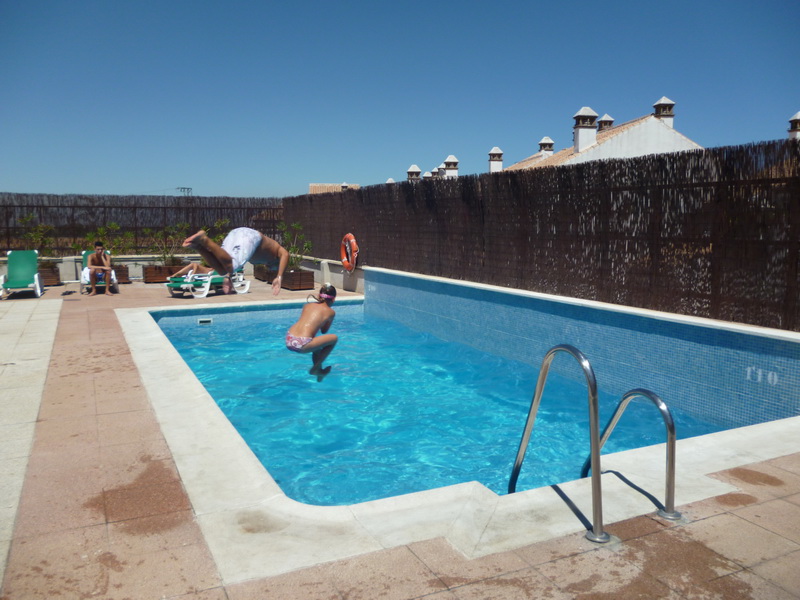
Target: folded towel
x=85, y=276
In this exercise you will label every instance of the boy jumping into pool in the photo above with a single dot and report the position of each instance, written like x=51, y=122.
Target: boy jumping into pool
x=239, y=246
x=316, y=317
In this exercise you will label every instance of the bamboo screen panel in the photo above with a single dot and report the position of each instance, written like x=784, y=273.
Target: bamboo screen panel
x=74, y=216
x=712, y=233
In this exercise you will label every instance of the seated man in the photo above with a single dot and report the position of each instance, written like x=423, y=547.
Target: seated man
x=99, y=265
x=239, y=246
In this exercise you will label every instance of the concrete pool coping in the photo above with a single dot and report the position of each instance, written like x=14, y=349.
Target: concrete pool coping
x=254, y=530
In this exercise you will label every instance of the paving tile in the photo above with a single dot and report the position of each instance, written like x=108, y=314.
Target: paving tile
x=717, y=505
x=163, y=573
x=131, y=398
x=783, y=572
x=445, y=595
x=790, y=462
x=60, y=434
x=5, y=546
x=636, y=527
x=217, y=593
x=676, y=560
x=65, y=564
x=20, y=405
x=521, y=585
x=454, y=569
x=16, y=440
x=7, y=516
x=63, y=407
x=307, y=584
x=604, y=574
x=740, y=540
x=555, y=549
x=127, y=427
x=142, y=463
x=145, y=501
x=778, y=516
x=52, y=504
x=742, y=585
x=65, y=462
x=63, y=384
x=395, y=574
x=763, y=481
x=152, y=534
x=74, y=365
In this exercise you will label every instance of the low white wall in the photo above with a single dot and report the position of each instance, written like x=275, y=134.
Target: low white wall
x=332, y=271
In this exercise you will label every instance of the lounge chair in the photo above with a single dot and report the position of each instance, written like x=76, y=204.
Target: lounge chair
x=201, y=284
x=86, y=283
x=23, y=273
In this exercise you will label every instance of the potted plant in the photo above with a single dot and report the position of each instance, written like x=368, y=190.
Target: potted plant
x=39, y=236
x=165, y=243
x=296, y=244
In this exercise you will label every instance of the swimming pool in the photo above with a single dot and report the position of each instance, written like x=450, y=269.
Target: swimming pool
x=254, y=530
x=402, y=411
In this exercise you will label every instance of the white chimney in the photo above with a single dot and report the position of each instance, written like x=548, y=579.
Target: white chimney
x=585, y=130
x=665, y=111
x=427, y=175
x=495, y=160
x=794, y=127
x=546, y=147
x=413, y=173
x=451, y=166
x=605, y=122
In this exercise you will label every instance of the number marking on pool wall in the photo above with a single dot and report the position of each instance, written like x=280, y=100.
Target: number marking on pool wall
x=758, y=375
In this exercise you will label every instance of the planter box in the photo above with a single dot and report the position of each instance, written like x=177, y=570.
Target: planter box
x=122, y=273
x=49, y=274
x=292, y=280
x=262, y=273
x=158, y=273
x=297, y=280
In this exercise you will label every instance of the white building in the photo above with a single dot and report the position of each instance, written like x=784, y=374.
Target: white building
x=595, y=139
x=794, y=126
x=495, y=160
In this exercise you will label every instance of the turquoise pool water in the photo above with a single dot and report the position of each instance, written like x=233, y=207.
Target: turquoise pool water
x=402, y=411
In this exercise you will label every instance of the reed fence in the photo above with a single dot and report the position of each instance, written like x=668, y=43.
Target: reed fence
x=712, y=233
x=70, y=218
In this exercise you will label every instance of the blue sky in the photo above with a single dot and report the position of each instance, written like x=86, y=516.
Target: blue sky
x=261, y=98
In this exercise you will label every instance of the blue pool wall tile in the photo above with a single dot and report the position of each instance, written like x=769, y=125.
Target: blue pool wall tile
x=728, y=378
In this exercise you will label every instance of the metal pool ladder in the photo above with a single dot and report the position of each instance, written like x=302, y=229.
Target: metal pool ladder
x=668, y=512
x=596, y=534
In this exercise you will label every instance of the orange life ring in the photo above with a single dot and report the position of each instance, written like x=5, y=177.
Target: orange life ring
x=349, y=252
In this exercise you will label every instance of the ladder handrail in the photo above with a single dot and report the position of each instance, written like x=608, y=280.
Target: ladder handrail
x=669, y=511
x=596, y=534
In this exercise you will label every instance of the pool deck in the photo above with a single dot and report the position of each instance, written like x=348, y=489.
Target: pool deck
x=93, y=503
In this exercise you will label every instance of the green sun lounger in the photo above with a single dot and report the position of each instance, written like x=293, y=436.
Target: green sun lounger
x=23, y=273
x=200, y=285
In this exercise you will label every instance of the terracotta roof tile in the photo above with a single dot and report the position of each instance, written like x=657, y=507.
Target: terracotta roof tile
x=536, y=161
